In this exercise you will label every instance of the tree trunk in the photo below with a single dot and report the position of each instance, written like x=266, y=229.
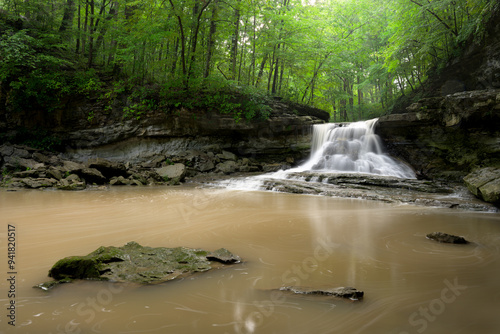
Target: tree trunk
x=211, y=40
x=77, y=48
x=69, y=14
x=261, y=69
x=91, y=34
x=234, y=41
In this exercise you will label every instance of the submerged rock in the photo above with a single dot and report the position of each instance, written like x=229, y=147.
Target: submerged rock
x=446, y=238
x=340, y=292
x=138, y=264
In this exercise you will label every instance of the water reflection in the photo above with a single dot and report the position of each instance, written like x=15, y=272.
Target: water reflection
x=284, y=239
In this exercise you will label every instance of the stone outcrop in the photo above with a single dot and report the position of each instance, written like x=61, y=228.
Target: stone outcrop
x=138, y=264
x=377, y=188
x=446, y=137
x=25, y=167
x=284, y=135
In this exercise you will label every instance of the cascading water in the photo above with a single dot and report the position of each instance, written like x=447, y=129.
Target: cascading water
x=338, y=148
x=352, y=148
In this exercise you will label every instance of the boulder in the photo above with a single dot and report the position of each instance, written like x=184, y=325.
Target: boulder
x=135, y=263
x=107, y=168
x=227, y=167
x=91, y=175
x=119, y=181
x=39, y=182
x=485, y=184
x=175, y=172
x=340, y=292
x=15, y=162
x=71, y=166
x=446, y=238
x=55, y=173
x=225, y=155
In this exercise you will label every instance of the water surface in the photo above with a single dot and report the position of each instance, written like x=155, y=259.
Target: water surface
x=411, y=284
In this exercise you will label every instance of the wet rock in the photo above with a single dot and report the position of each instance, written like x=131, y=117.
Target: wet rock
x=446, y=137
x=226, y=155
x=71, y=166
x=27, y=173
x=340, y=292
x=52, y=284
x=6, y=150
x=71, y=182
x=14, y=162
x=446, y=238
x=155, y=162
x=64, y=185
x=39, y=182
x=119, y=181
x=107, y=168
x=485, y=184
x=269, y=168
x=136, y=263
x=91, y=175
x=227, y=167
x=38, y=156
x=55, y=173
x=175, y=172
x=378, y=188
x=222, y=255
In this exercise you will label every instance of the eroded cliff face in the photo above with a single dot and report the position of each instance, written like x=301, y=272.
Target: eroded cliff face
x=284, y=136
x=447, y=137
x=87, y=129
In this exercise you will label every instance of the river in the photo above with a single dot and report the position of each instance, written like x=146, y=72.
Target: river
x=411, y=284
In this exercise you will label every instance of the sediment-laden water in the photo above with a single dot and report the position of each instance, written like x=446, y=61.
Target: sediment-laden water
x=411, y=284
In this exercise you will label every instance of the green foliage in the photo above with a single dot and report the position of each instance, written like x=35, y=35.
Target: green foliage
x=225, y=97
x=353, y=58
x=87, y=82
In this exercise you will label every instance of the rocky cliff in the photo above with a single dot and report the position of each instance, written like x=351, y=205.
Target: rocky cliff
x=157, y=147
x=446, y=137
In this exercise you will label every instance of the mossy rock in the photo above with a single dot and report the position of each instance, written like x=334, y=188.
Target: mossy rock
x=135, y=263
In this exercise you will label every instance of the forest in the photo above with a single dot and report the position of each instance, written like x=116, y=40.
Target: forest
x=351, y=58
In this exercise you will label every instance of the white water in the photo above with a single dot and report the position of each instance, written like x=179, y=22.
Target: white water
x=339, y=148
x=352, y=148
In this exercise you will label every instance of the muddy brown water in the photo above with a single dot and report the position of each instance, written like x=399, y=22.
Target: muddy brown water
x=411, y=284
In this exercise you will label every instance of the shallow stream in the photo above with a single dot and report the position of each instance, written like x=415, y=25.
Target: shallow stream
x=411, y=284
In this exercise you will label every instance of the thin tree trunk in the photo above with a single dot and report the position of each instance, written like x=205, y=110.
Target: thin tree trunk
x=234, y=42
x=261, y=70
x=77, y=48
x=91, y=34
x=69, y=14
x=211, y=40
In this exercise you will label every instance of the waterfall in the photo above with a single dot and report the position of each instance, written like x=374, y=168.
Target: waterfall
x=337, y=148
x=352, y=148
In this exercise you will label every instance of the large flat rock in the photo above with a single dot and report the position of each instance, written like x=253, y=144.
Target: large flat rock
x=139, y=264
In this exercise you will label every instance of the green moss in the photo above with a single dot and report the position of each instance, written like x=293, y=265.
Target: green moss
x=135, y=263
x=75, y=267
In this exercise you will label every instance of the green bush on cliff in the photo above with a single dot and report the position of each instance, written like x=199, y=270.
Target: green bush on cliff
x=223, y=96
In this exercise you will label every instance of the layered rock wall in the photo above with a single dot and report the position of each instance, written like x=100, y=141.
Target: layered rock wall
x=447, y=137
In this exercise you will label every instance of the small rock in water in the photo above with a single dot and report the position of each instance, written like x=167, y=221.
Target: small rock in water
x=446, y=238
x=340, y=292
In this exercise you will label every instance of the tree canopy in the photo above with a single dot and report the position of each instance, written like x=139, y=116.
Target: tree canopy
x=352, y=58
